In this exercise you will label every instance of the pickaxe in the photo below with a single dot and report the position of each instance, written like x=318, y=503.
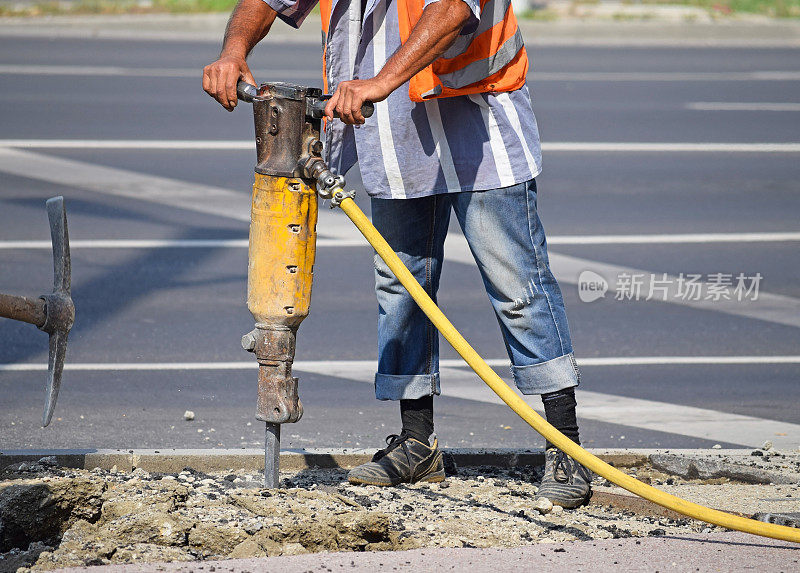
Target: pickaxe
x=53, y=313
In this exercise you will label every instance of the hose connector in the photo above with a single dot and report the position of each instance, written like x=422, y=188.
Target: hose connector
x=328, y=183
x=340, y=196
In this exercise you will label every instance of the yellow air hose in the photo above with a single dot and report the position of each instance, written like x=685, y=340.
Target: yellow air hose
x=538, y=423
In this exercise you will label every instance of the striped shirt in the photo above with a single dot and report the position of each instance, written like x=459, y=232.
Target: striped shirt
x=409, y=149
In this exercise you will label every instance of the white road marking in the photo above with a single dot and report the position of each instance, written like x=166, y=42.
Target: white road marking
x=649, y=415
x=769, y=307
x=165, y=244
x=534, y=76
x=731, y=106
x=119, y=182
x=222, y=202
x=665, y=238
x=631, y=147
x=654, y=239
x=778, y=309
x=160, y=190
x=459, y=382
x=759, y=76
x=132, y=366
x=337, y=367
x=687, y=360
x=687, y=420
x=140, y=144
x=51, y=70
x=553, y=146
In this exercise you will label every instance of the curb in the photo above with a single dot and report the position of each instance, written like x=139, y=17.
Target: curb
x=175, y=460
x=734, y=464
x=213, y=460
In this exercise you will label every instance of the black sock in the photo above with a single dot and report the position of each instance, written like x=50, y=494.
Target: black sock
x=417, y=417
x=559, y=408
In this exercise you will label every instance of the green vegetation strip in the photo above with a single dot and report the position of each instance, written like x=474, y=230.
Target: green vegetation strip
x=79, y=7
x=717, y=8
x=773, y=8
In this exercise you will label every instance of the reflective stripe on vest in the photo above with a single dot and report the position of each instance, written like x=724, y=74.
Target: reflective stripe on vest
x=482, y=69
x=490, y=59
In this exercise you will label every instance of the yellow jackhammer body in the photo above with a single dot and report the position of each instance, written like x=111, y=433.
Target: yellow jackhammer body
x=281, y=265
x=289, y=174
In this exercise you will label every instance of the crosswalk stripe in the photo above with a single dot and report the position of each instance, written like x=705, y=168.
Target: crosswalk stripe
x=216, y=201
x=333, y=367
x=460, y=382
x=551, y=146
x=678, y=238
x=314, y=73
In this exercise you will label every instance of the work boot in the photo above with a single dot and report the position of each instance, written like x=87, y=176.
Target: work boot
x=404, y=460
x=566, y=482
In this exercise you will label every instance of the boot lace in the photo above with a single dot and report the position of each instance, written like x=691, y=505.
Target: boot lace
x=393, y=441
x=562, y=467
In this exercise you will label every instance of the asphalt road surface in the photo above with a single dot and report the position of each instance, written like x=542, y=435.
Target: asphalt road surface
x=153, y=317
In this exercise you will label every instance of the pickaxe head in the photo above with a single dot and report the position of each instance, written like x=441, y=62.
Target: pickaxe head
x=60, y=312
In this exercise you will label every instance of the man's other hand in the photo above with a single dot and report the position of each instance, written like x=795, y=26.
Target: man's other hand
x=351, y=95
x=220, y=79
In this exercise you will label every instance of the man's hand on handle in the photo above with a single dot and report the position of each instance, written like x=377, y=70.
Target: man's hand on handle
x=350, y=96
x=220, y=79
x=249, y=23
x=436, y=30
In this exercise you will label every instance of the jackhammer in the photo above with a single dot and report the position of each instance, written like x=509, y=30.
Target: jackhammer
x=289, y=173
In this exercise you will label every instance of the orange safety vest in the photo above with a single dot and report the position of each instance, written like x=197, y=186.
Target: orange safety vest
x=490, y=59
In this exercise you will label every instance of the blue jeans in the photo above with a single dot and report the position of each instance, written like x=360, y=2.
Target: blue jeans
x=507, y=240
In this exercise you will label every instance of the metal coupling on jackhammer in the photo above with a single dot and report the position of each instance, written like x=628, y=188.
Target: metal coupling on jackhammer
x=329, y=185
x=314, y=167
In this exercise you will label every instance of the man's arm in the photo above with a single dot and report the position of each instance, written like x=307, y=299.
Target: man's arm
x=437, y=29
x=248, y=24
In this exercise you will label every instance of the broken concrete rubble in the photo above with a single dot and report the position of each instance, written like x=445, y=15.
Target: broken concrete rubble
x=114, y=517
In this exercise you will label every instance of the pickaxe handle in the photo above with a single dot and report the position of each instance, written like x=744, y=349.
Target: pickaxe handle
x=23, y=308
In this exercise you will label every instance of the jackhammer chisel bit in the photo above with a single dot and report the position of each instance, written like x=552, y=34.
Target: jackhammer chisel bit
x=53, y=313
x=290, y=172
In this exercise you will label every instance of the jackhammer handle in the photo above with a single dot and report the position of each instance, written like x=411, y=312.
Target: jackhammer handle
x=319, y=108
x=246, y=92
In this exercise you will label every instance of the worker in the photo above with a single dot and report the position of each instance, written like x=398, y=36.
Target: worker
x=453, y=129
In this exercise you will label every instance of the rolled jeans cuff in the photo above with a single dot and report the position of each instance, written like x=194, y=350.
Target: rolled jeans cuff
x=548, y=376
x=406, y=386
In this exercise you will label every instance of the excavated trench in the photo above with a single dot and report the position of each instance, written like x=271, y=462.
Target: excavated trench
x=57, y=517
